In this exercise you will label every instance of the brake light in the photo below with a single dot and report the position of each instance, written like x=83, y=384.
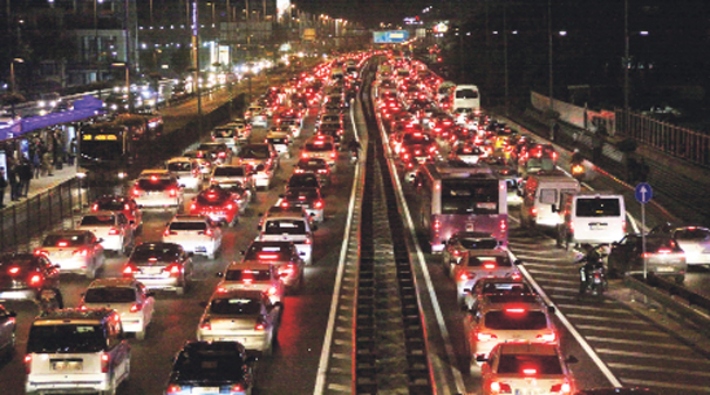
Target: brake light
x=260, y=326
x=81, y=252
x=529, y=371
x=237, y=388
x=136, y=307
x=489, y=265
x=563, y=388
x=516, y=310
x=503, y=225
x=168, y=232
x=664, y=251
x=113, y=232
x=105, y=359
x=174, y=269
x=271, y=291
x=436, y=225
x=466, y=276
x=193, y=207
x=95, y=207
x=533, y=212
x=286, y=270
x=209, y=232
x=230, y=206
x=332, y=155
x=28, y=364
x=129, y=270
x=172, y=192
x=136, y=191
x=268, y=256
x=318, y=204
x=304, y=155
x=285, y=204
x=38, y=252
x=35, y=280
x=547, y=337
x=485, y=337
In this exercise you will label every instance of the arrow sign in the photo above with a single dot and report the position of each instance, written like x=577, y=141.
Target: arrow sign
x=643, y=193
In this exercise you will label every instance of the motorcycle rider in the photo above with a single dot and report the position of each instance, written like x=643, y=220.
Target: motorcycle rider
x=576, y=158
x=49, y=299
x=354, y=148
x=592, y=261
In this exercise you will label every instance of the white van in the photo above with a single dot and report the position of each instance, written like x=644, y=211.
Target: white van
x=541, y=192
x=591, y=218
x=466, y=96
x=74, y=350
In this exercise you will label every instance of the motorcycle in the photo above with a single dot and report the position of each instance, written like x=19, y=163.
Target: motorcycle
x=592, y=275
x=578, y=171
x=354, y=155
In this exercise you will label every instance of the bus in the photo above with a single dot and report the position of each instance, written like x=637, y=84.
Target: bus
x=106, y=150
x=466, y=97
x=453, y=196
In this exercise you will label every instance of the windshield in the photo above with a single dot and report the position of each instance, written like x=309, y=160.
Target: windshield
x=248, y=275
x=100, y=220
x=598, y=207
x=110, y=295
x=522, y=363
x=462, y=197
x=285, y=227
x=188, y=225
x=233, y=171
x=235, y=306
x=516, y=320
x=65, y=339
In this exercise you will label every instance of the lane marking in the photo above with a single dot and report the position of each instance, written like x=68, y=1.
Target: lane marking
x=634, y=342
x=661, y=384
x=633, y=332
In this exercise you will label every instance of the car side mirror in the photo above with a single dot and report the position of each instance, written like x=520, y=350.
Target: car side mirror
x=481, y=358
x=99, y=240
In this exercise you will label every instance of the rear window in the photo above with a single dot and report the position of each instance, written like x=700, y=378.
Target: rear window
x=159, y=184
x=466, y=94
x=489, y=261
x=110, y=205
x=180, y=166
x=285, y=227
x=188, y=225
x=265, y=252
x=101, y=220
x=320, y=146
x=223, y=133
x=217, y=365
x=235, y=306
x=213, y=197
x=110, y=295
x=598, y=207
x=65, y=338
x=479, y=244
x=166, y=252
x=692, y=234
x=248, y=275
x=63, y=241
x=258, y=152
x=529, y=364
x=516, y=320
x=229, y=171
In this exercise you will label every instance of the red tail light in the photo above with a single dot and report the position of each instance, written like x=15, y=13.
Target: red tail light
x=286, y=270
x=81, y=252
x=36, y=280
x=436, y=225
x=547, y=337
x=533, y=212
x=466, y=276
x=105, y=362
x=209, y=232
x=113, y=232
x=260, y=325
x=285, y=204
x=529, y=371
x=271, y=291
x=193, y=207
x=38, y=252
x=222, y=155
x=563, y=388
x=172, y=192
x=174, y=269
x=129, y=270
x=503, y=225
x=230, y=206
x=489, y=265
x=136, y=307
x=237, y=388
x=304, y=155
x=136, y=191
x=169, y=232
x=332, y=155
x=28, y=364
x=664, y=251
x=95, y=207
x=318, y=204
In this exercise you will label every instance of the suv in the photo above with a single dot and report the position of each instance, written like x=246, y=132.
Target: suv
x=253, y=274
x=478, y=264
x=226, y=175
x=262, y=158
x=288, y=225
x=321, y=146
x=22, y=276
x=124, y=204
x=77, y=350
x=160, y=189
x=590, y=218
x=664, y=257
x=187, y=171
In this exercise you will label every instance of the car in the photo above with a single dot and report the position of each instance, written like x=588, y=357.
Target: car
x=320, y=146
x=507, y=318
x=280, y=139
x=74, y=350
x=289, y=225
x=317, y=166
x=112, y=227
x=75, y=251
x=458, y=244
x=308, y=198
x=227, y=134
x=195, y=233
x=243, y=196
x=284, y=257
x=468, y=153
x=7, y=331
x=693, y=240
x=187, y=171
x=158, y=190
x=242, y=129
x=133, y=302
x=206, y=367
x=256, y=116
x=494, y=286
x=121, y=203
x=216, y=203
x=218, y=153
x=303, y=180
x=203, y=163
x=261, y=158
x=295, y=125
x=23, y=275
x=226, y=175
x=527, y=368
x=253, y=274
x=477, y=264
x=160, y=265
x=247, y=316
x=664, y=257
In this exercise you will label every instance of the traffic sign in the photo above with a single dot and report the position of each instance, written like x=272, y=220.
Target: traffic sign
x=643, y=192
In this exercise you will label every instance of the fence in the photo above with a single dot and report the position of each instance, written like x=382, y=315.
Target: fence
x=674, y=140
x=23, y=221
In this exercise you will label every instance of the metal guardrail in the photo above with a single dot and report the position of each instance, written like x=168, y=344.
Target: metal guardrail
x=691, y=306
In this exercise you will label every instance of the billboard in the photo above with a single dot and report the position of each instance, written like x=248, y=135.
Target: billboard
x=390, y=36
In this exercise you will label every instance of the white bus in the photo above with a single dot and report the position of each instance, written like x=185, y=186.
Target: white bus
x=466, y=96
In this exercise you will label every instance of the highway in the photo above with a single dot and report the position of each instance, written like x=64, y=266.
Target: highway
x=617, y=339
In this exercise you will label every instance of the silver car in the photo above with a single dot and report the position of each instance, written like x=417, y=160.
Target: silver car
x=75, y=251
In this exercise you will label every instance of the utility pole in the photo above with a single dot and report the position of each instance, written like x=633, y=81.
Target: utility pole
x=505, y=56
x=196, y=60
x=549, y=44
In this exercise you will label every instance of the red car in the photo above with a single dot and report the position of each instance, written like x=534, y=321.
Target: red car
x=218, y=204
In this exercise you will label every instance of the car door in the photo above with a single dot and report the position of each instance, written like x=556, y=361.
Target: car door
x=621, y=253
x=148, y=303
x=6, y=328
x=119, y=351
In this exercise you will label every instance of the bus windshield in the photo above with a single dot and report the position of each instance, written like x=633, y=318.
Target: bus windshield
x=466, y=197
x=106, y=150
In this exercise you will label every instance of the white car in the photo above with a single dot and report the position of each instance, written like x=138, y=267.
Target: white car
x=187, y=170
x=246, y=316
x=75, y=251
x=158, y=189
x=280, y=140
x=195, y=233
x=128, y=297
x=112, y=227
x=228, y=175
x=285, y=224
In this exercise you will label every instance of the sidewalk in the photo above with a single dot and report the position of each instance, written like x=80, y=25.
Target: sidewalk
x=42, y=184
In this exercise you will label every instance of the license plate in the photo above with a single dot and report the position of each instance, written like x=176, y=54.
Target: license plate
x=664, y=269
x=469, y=227
x=66, y=365
x=205, y=390
x=153, y=270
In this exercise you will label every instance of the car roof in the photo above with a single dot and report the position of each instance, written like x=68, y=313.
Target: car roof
x=100, y=213
x=180, y=159
x=113, y=282
x=189, y=218
x=68, y=232
x=296, y=214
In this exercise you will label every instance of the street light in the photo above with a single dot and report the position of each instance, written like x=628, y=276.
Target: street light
x=12, y=72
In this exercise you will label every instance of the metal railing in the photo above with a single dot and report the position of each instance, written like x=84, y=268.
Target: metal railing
x=674, y=140
x=28, y=219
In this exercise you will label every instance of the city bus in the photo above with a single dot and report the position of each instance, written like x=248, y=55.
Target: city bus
x=466, y=97
x=106, y=150
x=453, y=196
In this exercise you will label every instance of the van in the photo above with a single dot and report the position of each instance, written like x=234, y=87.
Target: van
x=75, y=350
x=591, y=218
x=542, y=192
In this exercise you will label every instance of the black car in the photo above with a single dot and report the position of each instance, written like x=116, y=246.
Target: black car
x=303, y=180
x=23, y=275
x=664, y=256
x=315, y=166
x=215, y=367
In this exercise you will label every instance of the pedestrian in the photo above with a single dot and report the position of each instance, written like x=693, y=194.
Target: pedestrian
x=25, y=175
x=36, y=157
x=47, y=163
x=3, y=185
x=13, y=180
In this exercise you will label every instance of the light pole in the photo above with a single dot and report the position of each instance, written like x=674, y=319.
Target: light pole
x=549, y=43
x=12, y=73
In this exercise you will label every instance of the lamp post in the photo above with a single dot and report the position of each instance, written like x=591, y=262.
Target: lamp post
x=549, y=43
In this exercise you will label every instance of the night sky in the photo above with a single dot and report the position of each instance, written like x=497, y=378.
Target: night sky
x=368, y=12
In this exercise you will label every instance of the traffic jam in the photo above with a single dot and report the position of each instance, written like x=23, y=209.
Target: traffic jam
x=231, y=233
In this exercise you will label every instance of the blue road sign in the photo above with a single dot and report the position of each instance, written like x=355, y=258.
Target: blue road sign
x=643, y=192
